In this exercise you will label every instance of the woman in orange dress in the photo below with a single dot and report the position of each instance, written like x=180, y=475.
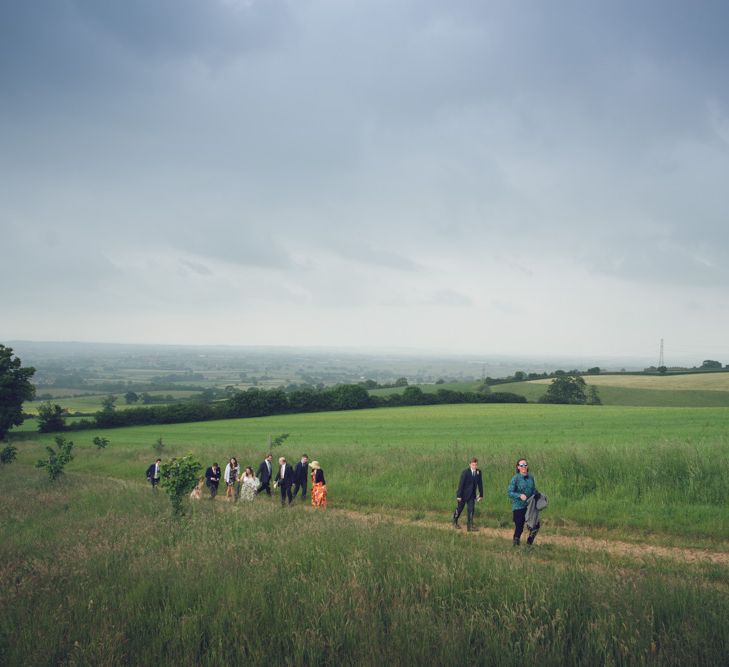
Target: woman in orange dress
x=318, y=485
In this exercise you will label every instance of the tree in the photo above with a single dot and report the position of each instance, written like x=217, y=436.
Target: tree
x=401, y=382
x=662, y=370
x=350, y=397
x=57, y=458
x=15, y=389
x=413, y=396
x=565, y=389
x=178, y=478
x=108, y=402
x=710, y=363
x=131, y=397
x=519, y=376
x=595, y=370
x=593, y=398
x=51, y=417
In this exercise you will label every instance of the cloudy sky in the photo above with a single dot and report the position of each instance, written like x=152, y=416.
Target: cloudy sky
x=501, y=177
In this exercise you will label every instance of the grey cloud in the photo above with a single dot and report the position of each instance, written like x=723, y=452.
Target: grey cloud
x=294, y=141
x=378, y=257
x=450, y=297
x=212, y=31
x=196, y=267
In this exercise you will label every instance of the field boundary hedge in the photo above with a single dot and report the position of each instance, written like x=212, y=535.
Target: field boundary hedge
x=256, y=402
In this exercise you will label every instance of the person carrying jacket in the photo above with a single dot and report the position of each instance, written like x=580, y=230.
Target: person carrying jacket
x=522, y=487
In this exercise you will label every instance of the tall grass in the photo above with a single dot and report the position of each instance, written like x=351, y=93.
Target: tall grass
x=97, y=572
x=651, y=469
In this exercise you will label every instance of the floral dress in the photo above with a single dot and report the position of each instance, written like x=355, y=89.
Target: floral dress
x=248, y=488
x=318, y=489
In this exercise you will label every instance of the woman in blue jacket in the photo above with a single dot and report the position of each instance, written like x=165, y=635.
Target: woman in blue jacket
x=521, y=487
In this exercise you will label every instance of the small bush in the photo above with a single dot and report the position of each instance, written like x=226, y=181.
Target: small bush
x=159, y=446
x=101, y=443
x=57, y=458
x=178, y=478
x=8, y=454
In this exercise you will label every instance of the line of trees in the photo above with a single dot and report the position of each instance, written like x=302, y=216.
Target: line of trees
x=256, y=402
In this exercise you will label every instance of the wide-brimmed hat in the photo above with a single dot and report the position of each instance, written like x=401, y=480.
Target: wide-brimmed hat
x=315, y=465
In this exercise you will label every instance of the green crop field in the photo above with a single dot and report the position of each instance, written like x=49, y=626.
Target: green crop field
x=97, y=571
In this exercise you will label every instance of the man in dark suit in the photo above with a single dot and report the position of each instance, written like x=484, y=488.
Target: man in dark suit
x=301, y=476
x=470, y=491
x=284, y=480
x=264, y=474
x=153, y=474
x=212, y=479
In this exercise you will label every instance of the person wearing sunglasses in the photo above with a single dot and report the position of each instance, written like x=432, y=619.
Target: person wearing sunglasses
x=521, y=487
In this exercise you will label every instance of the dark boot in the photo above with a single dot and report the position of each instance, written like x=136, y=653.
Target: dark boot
x=516, y=541
x=455, y=524
x=532, y=536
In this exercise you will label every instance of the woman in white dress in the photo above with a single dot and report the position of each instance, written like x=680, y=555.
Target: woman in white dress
x=249, y=485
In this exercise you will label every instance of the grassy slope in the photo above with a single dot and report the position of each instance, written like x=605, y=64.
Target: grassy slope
x=95, y=571
x=639, y=467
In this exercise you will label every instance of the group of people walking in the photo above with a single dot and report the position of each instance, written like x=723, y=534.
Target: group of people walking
x=526, y=501
x=246, y=485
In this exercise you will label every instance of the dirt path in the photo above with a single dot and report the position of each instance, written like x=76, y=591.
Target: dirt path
x=584, y=543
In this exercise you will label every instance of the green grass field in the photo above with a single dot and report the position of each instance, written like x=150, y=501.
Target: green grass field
x=91, y=403
x=96, y=570
x=694, y=390
x=592, y=459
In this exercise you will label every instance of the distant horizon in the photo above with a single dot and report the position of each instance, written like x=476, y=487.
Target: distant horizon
x=374, y=351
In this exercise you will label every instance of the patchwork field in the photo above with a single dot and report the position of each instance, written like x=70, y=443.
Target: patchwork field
x=631, y=566
x=90, y=403
x=688, y=390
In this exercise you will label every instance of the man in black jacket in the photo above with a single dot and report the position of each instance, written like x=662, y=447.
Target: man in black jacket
x=212, y=479
x=301, y=476
x=284, y=479
x=153, y=474
x=470, y=491
x=264, y=474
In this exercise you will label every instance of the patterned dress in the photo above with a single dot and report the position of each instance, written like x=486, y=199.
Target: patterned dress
x=318, y=489
x=248, y=488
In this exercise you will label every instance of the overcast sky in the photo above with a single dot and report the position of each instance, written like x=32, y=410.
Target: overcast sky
x=497, y=177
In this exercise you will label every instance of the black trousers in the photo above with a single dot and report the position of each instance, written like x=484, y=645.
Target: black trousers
x=519, y=517
x=286, y=493
x=265, y=486
x=459, y=508
x=301, y=486
x=213, y=486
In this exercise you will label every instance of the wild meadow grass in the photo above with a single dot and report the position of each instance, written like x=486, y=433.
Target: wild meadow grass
x=630, y=470
x=96, y=571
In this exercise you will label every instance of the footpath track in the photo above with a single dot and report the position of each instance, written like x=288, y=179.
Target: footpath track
x=580, y=542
